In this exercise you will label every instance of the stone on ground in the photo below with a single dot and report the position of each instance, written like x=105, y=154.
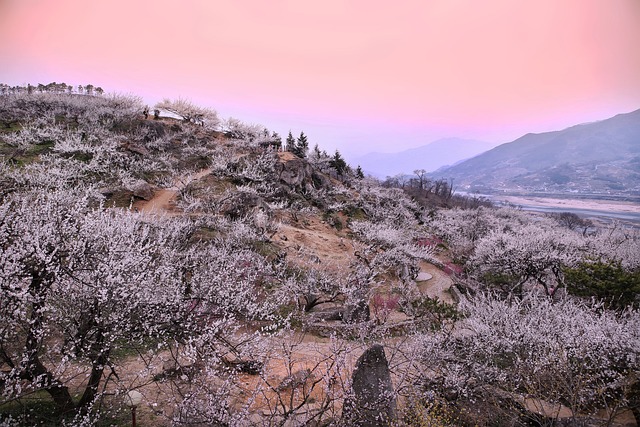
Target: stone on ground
x=373, y=402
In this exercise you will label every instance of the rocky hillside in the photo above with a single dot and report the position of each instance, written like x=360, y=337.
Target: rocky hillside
x=203, y=236
x=599, y=158
x=194, y=269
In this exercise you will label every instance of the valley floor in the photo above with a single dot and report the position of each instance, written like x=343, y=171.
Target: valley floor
x=600, y=211
x=582, y=204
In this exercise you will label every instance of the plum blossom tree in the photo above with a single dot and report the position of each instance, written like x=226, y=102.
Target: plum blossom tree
x=73, y=280
x=617, y=244
x=463, y=228
x=529, y=253
x=311, y=287
x=386, y=205
x=190, y=112
x=78, y=282
x=557, y=354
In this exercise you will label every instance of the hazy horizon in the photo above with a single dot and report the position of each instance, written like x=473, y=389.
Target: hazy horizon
x=354, y=76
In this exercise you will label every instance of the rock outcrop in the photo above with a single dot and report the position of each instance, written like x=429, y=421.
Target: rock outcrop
x=356, y=313
x=298, y=174
x=373, y=403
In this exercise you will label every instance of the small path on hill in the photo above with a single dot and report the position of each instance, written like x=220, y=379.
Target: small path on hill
x=438, y=285
x=163, y=199
x=316, y=241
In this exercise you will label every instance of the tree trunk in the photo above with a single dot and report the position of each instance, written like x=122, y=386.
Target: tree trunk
x=34, y=369
x=633, y=397
x=97, y=368
x=59, y=393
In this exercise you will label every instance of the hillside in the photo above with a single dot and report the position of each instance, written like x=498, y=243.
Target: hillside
x=202, y=223
x=430, y=157
x=597, y=158
x=193, y=269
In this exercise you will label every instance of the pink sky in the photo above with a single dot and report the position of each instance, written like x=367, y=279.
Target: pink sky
x=355, y=75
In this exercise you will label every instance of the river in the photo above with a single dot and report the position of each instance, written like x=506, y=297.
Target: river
x=588, y=213
x=592, y=209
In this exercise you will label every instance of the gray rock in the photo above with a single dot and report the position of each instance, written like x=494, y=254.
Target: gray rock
x=373, y=402
x=356, y=313
x=327, y=315
x=298, y=174
x=135, y=148
x=295, y=172
x=241, y=204
x=143, y=190
x=455, y=293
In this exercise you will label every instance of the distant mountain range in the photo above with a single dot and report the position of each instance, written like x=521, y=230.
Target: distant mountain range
x=430, y=157
x=594, y=158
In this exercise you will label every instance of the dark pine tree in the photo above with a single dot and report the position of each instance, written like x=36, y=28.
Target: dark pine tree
x=302, y=146
x=291, y=143
x=338, y=163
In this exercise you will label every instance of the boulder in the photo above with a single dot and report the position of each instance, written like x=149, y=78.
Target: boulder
x=135, y=148
x=298, y=174
x=327, y=315
x=142, y=190
x=295, y=172
x=373, y=401
x=356, y=313
x=241, y=204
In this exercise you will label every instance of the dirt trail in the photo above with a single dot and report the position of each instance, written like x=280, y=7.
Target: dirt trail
x=438, y=285
x=290, y=358
x=307, y=239
x=163, y=200
x=316, y=241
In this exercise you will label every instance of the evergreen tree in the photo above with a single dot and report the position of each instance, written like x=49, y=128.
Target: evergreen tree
x=291, y=143
x=359, y=173
x=302, y=147
x=606, y=280
x=338, y=163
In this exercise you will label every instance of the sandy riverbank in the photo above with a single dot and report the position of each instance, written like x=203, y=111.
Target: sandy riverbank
x=597, y=205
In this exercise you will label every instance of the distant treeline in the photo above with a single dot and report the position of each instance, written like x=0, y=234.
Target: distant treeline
x=52, y=87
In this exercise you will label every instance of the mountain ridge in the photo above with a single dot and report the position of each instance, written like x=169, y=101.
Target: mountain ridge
x=595, y=157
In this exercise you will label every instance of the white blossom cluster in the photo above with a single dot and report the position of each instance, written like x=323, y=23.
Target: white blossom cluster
x=557, y=352
x=79, y=282
x=530, y=251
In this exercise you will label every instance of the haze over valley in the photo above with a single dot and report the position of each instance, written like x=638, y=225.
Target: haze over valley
x=433, y=156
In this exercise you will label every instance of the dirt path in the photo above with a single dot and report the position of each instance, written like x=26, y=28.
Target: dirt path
x=164, y=199
x=438, y=285
x=307, y=239
x=316, y=241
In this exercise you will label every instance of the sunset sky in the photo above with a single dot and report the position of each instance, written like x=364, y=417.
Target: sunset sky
x=354, y=75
